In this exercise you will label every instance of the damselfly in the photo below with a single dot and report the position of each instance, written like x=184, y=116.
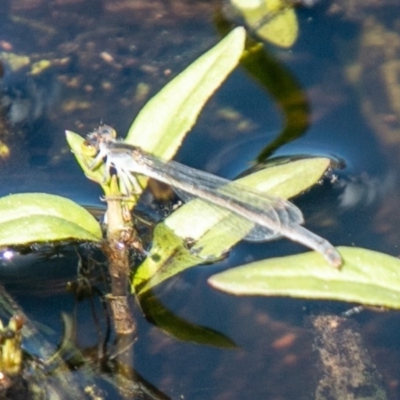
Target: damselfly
x=271, y=216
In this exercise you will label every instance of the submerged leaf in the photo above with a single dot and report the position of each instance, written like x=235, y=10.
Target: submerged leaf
x=38, y=217
x=178, y=327
x=367, y=277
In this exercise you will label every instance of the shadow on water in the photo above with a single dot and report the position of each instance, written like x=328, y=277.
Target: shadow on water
x=70, y=65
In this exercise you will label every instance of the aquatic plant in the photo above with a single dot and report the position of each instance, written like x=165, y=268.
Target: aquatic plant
x=366, y=277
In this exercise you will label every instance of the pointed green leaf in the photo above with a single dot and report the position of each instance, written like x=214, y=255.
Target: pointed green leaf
x=367, y=277
x=38, y=217
x=169, y=255
x=164, y=121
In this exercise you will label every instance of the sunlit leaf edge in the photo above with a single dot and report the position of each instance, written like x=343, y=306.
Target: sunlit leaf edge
x=23, y=205
x=41, y=228
x=366, y=277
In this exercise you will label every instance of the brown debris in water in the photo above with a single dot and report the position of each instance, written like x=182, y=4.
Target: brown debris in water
x=348, y=372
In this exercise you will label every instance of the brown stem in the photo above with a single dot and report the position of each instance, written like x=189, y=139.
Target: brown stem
x=116, y=248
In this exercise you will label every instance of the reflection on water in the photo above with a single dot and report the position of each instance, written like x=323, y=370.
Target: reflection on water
x=104, y=60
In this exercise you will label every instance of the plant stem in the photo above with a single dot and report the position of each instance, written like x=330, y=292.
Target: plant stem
x=116, y=248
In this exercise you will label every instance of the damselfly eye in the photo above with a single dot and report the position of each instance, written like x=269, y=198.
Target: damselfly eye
x=17, y=322
x=88, y=149
x=107, y=131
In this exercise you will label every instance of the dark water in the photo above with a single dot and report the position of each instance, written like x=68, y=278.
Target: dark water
x=109, y=50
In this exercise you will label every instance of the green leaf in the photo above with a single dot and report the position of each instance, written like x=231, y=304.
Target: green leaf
x=38, y=217
x=179, y=328
x=273, y=20
x=367, y=277
x=164, y=121
x=169, y=255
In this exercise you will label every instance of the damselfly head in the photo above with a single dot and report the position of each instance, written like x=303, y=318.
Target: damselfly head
x=106, y=132
x=102, y=135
